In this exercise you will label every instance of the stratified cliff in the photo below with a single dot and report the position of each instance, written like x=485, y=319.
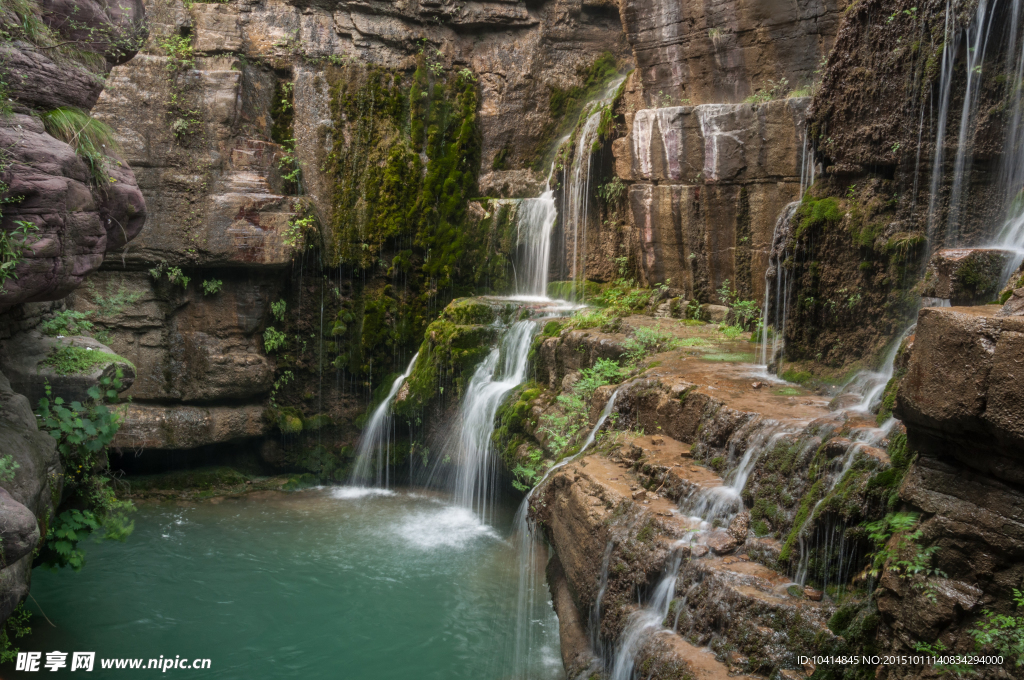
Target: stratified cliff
x=67, y=200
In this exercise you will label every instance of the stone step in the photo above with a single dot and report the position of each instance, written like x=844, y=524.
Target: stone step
x=701, y=663
x=776, y=617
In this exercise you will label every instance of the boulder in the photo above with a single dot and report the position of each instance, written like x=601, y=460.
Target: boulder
x=19, y=529
x=962, y=394
x=27, y=499
x=76, y=221
x=22, y=360
x=965, y=276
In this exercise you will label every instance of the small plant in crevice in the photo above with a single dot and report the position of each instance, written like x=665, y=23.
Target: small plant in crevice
x=84, y=431
x=560, y=429
x=114, y=301
x=746, y=313
x=92, y=139
x=611, y=191
x=13, y=247
x=174, y=275
x=897, y=549
x=529, y=470
x=769, y=91
x=278, y=309
x=644, y=341
x=273, y=339
x=1003, y=633
x=212, y=286
x=71, y=360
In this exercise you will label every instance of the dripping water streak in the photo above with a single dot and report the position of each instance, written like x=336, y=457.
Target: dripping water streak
x=375, y=445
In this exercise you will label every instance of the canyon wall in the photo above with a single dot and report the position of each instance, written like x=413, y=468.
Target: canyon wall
x=65, y=204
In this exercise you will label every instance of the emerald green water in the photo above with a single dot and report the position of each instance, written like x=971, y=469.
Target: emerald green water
x=323, y=583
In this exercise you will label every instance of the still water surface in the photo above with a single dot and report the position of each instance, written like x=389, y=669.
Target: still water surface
x=323, y=583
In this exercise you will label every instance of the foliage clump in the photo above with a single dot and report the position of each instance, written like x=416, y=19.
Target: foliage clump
x=84, y=431
x=69, y=359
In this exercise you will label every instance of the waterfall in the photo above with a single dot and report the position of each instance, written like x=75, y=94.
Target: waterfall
x=535, y=220
x=776, y=278
x=470, y=447
x=950, y=47
x=373, y=456
x=577, y=198
x=1011, y=171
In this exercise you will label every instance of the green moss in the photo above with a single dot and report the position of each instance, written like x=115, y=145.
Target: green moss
x=402, y=172
x=68, y=360
x=447, y=356
x=817, y=213
x=798, y=377
x=565, y=290
x=807, y=503
x=885, y=485
x=566, y=105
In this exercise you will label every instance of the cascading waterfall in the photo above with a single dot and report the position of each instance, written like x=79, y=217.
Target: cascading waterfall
x=647, y=620
x=577, y=194
x=950, y=47
x=1011, y=172
x=373, y=455
x=501, y=372
x=977, y=34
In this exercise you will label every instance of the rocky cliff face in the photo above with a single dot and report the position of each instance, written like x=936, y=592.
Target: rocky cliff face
x=67, y=200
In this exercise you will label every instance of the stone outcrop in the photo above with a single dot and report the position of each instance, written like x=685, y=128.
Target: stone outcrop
x=961, y=395
x=77, y=221
x=79, y=208
x=966, y=276
x=26, y=499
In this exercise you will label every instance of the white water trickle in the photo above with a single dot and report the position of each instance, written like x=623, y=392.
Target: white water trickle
x=722, y=502
x=950, y=46
x=502, y=371
x=834, y=479
x=525, y=637
x=1010, y=235
x=977, y=42
x=647, y=619
x=595, y=612
x=776, y=279
x=373, y=456
x=577, y=197
x=871, y=384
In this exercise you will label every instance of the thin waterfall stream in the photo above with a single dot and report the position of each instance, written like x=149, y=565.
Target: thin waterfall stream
x=374, y=454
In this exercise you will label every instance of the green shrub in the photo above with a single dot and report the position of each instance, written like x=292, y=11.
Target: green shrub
x=13, y=246
x=83, y=432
